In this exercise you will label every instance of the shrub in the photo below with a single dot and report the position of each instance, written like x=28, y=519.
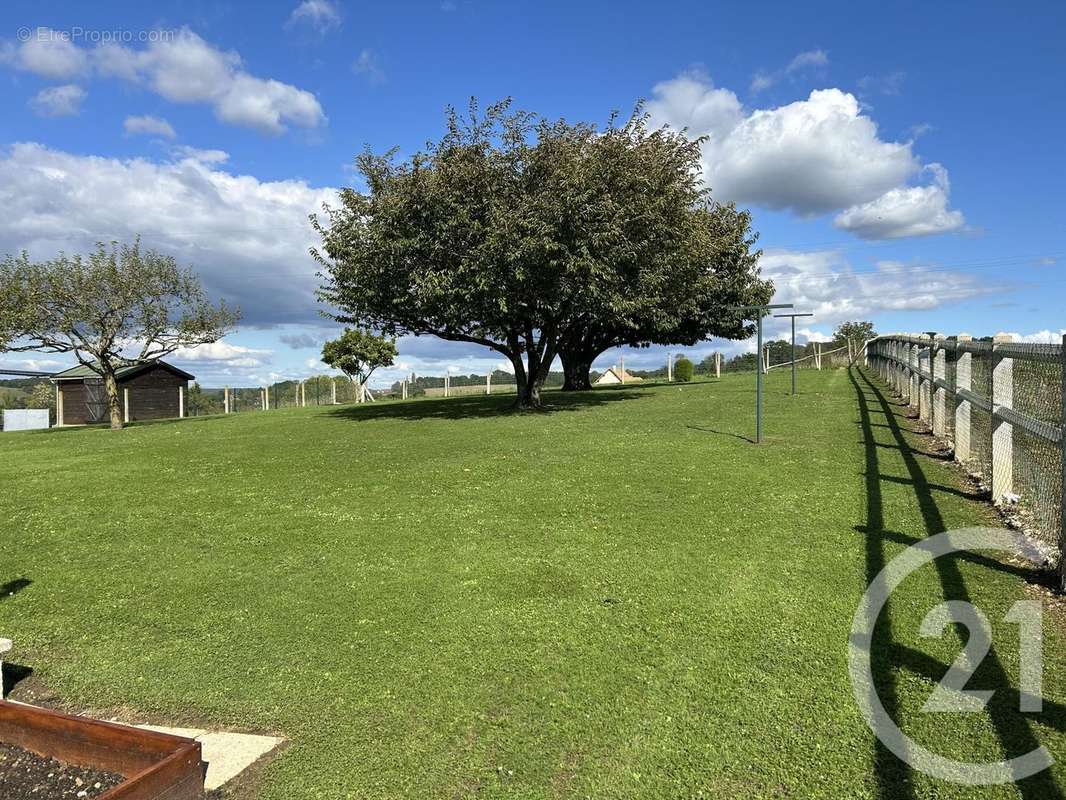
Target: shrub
x=683, y=370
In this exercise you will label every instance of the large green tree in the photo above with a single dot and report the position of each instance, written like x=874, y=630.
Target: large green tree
x=535, y=238
x=117, y=306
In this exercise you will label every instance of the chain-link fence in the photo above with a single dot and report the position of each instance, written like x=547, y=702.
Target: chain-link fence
x=999, y=405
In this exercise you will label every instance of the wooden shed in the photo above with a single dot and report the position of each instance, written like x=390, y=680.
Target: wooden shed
x=152, y=390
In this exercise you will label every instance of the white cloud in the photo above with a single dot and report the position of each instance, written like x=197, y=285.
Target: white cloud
x=32, y=365
x=367, y=66
x=223, y=354
x=320, y=15
x=203, y=156
x=48, y=53
x=763, y=80
x=149, y=125
x=811, y=335
x=905, y=211
x=811, y=157
x=182, y=68
x=247, y=238
x=823, y=282
x=1040, y=337
x=890, y=84
x=808, y=58
x=58, y=101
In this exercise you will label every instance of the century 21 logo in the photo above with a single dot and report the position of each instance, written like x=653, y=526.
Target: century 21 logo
x=950, y=694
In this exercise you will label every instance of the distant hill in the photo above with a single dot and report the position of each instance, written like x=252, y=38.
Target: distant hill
x=20, y=383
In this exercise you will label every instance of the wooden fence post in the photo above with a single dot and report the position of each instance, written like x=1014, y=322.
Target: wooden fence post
x=181, y=402
x=1002, y=432
x=925, y=366
x=939, y=395
x=333, y=391
x=963, y=380
x=59, y=405
x=225, y=400
x=125, y=404
x=717, y=364
x=488, y=383
x=670, y=367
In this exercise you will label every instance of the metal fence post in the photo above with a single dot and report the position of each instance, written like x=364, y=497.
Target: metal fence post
x=1002, y=432
x=963, y=380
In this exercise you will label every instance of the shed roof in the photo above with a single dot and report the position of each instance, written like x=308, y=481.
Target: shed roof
x=619, y=375
x=81, y=371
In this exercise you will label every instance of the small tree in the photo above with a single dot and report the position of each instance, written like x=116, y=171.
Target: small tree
x=357, y=353
x=43, y=395
x=855, y=332
x=115, y=307
x=683, y=370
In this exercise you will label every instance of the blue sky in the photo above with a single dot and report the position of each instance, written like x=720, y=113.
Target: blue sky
x=904, y=162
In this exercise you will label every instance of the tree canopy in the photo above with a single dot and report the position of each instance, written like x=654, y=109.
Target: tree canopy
x=357, y=353
x=856, y=331
x=537, y=239
x=117, y=306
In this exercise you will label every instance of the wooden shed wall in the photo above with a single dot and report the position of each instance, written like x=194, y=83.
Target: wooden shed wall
x=75, y=411
x=153, y=395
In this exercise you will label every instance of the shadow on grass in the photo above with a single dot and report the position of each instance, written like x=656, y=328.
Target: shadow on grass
x=13, y=587
x=1013, y=730
x=483, y=406
x=722, y=433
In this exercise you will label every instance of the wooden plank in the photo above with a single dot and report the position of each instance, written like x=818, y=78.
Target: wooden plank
x=158, y=766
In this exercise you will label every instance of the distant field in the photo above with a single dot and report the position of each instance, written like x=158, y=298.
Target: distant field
x=442, y=599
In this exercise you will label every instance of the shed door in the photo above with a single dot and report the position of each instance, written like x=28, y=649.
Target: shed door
x=95, y=400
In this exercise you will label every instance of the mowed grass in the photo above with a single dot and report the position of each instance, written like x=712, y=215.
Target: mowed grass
x=621, y=598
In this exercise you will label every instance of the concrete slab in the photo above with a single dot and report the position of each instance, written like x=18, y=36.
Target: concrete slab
x=227, y=754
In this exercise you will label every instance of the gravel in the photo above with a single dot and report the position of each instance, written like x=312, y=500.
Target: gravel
x=28, y=776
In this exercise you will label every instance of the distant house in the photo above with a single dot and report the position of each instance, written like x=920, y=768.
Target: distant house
x=152, y=390
x=617, y=375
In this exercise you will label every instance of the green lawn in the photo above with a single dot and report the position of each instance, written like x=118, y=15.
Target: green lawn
x=439, y=599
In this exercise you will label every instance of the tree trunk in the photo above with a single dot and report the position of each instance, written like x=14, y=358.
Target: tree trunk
x=529, y=395
x=111, y=389
x=576, y=368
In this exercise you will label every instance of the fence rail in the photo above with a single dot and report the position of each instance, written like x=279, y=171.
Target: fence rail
x=1002, y=407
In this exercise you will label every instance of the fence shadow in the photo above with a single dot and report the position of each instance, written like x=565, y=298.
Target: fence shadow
x=476, y=407
x=1014, y=731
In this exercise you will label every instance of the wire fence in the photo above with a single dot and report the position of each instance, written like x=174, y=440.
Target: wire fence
x=1000, y=406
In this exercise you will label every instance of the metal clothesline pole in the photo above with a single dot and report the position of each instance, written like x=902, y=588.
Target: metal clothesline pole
x=760, y=312
x=793, y=317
